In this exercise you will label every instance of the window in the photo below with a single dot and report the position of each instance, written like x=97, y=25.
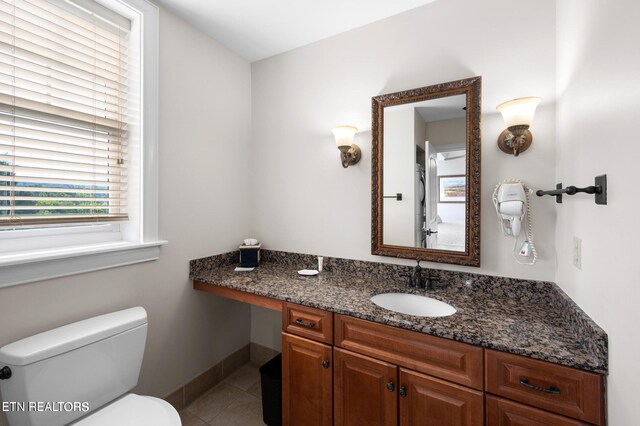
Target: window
x=63, y=114
x=78, y=135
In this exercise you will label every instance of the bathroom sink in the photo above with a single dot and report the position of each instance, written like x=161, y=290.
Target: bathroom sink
x=413, y=304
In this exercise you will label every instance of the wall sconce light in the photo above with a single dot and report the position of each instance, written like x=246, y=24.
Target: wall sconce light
x=517, y=115
x=349, y=152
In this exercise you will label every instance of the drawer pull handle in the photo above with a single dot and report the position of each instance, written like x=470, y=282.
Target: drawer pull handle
x=403, y=392
x=551, y=389
x=325, y=363
x=309, y=324
x=391, y=387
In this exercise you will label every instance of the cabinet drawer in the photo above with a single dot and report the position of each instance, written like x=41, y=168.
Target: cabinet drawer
x=311, y=323
x=563, y=390
x=443, y=358
x=502, y=412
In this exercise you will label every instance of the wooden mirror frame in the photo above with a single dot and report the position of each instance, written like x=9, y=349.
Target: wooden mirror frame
x=472, y=88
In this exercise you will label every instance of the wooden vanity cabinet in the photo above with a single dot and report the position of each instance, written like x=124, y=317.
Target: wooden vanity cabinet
x=307, y=378
x=364, y=390
x=312, y=323
x=443, y=358
x=383, y=360
x=347, y=371
x=502, y=412
x=428, y=401
x=562, y=390
x=307, y=366
x=371, y=392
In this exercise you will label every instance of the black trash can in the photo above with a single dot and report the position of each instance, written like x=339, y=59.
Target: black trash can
x=271, y=381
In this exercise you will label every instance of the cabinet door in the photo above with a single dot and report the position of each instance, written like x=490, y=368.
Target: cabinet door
x=427, y=401
x=306, y=382
x=502, y=412
x=365, y=390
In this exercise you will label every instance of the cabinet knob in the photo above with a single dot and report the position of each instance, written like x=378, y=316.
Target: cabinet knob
x=403, y=391
x=391, y=387
x=5, y=373
x=325, y=363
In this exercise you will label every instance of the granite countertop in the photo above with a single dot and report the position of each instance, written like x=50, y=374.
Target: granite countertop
x=487, y=315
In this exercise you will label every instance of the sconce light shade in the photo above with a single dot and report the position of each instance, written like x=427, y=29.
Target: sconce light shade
x=518, y=116
x=344, y=135
x=518, y=112
x=349, y=152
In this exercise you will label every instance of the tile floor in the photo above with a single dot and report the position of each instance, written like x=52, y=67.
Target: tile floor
x=236, y=401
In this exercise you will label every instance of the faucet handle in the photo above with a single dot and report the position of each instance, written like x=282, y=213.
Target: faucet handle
x=409, y=279
x=428, y=282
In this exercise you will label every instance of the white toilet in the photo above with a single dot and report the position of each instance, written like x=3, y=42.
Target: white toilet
x=81, y=374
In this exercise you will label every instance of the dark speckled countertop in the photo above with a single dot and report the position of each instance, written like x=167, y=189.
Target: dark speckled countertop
x=530, y=318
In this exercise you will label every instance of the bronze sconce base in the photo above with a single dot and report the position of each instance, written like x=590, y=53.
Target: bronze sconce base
x=350, y=155
x=515, y=140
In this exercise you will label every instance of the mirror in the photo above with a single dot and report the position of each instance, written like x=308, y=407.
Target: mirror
x=426, y=173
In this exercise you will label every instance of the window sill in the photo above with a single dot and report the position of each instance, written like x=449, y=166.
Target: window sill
x=25, y=267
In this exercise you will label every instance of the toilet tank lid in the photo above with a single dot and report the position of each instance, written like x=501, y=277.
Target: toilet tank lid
x=72, y=336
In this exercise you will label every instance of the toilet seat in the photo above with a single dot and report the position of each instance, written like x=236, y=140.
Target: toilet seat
x=133, y=410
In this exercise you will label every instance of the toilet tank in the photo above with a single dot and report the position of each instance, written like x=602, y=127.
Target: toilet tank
x=76, y=368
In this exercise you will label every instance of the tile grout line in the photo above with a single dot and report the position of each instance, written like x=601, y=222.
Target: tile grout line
x=220, y=412
x=199, y=418
x=227, y=382
x=228, y=405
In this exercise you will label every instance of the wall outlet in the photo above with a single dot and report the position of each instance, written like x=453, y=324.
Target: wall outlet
x=577, y=252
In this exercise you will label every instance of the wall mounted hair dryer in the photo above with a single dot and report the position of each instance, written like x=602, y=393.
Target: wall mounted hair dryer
x=511, y=200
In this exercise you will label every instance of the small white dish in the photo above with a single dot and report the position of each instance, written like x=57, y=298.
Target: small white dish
x=250, y=242
x=308, y=272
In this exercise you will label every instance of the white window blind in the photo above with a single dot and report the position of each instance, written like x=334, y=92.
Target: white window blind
x=63, y=113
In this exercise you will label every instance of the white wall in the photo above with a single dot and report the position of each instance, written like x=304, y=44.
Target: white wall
x=452, y=212
x=419, y=130
x=597, y=114
x=447, y=134
x=399, y=160
x=266, y=327
x=204, y=111
x=306, y=202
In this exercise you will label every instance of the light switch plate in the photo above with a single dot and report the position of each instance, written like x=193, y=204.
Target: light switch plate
x=577, y=252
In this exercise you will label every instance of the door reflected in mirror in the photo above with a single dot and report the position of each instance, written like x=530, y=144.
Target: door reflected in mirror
x=425, y=160
x=426, y=173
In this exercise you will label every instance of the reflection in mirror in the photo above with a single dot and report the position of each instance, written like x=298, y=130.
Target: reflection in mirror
x=425, y=160
x=426, y=173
